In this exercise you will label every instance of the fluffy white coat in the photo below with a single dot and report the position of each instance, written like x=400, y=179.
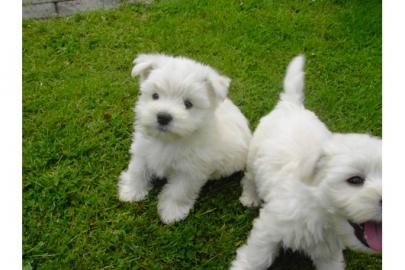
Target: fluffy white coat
x=206, y=136
x=312, y=184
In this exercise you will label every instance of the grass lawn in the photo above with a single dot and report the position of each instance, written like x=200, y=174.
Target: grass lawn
x=77, y=107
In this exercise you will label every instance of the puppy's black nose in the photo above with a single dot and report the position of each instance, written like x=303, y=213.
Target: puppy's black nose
x=164, y=118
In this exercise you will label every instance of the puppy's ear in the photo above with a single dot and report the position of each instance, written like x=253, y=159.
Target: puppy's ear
x=219, y=85
x=310, y=168
x=144, y=64
x=319, y=164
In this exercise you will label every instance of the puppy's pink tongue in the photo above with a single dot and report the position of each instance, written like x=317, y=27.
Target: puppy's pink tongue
x=373, y=233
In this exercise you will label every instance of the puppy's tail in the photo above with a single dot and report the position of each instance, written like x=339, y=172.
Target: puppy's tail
x=294, y=81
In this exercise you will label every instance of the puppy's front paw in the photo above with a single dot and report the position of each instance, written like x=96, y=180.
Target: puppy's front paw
x=249, y=201
x=172, y=212
x=129, y=190
x=127, y=194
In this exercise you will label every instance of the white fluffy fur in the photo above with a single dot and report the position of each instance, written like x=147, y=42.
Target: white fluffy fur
x=209, y=140
x=297, y=169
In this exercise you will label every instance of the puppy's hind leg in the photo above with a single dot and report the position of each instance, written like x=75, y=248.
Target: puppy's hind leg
x=261, y=248
x=249, y=197
x=134, y=183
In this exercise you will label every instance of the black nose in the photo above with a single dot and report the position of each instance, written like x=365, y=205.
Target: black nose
x=164, y=118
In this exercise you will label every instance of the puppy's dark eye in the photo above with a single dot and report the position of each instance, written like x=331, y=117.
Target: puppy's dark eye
x=355, y=181
x=188, y=104
x=155, y=96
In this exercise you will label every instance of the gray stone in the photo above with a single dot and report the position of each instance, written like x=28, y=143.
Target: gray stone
x=48, y=8
x=110, y=3
x=72, y=7
x=26, y=2
x=39, y=10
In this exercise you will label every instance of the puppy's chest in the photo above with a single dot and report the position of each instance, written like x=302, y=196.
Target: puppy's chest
x=301, y=223
x=309, y=237
x=163, y=160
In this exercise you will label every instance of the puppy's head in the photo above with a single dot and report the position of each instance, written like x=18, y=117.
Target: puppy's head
x=178, y=95
x=349, y=174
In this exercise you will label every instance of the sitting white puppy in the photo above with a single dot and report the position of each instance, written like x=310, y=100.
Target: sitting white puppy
x=186, y=130
x=321, y=191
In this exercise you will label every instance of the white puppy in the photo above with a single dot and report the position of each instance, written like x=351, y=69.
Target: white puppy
x=186, y=130
x=321, y=191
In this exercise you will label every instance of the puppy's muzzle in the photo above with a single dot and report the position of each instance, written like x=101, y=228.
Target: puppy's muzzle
x=164, y=118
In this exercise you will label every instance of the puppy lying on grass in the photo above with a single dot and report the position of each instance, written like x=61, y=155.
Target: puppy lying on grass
x=186, y=130
x=320, y=191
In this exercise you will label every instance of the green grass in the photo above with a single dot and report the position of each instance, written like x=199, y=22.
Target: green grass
x=77, y=107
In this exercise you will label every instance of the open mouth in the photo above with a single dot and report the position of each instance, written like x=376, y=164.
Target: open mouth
x=369, y=233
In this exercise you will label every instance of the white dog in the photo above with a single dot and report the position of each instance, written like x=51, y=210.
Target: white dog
x=186, y=130
x=321, y=191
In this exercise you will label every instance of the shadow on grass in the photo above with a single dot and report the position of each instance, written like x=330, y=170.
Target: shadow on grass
x=288, y=259
x=228, y=188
